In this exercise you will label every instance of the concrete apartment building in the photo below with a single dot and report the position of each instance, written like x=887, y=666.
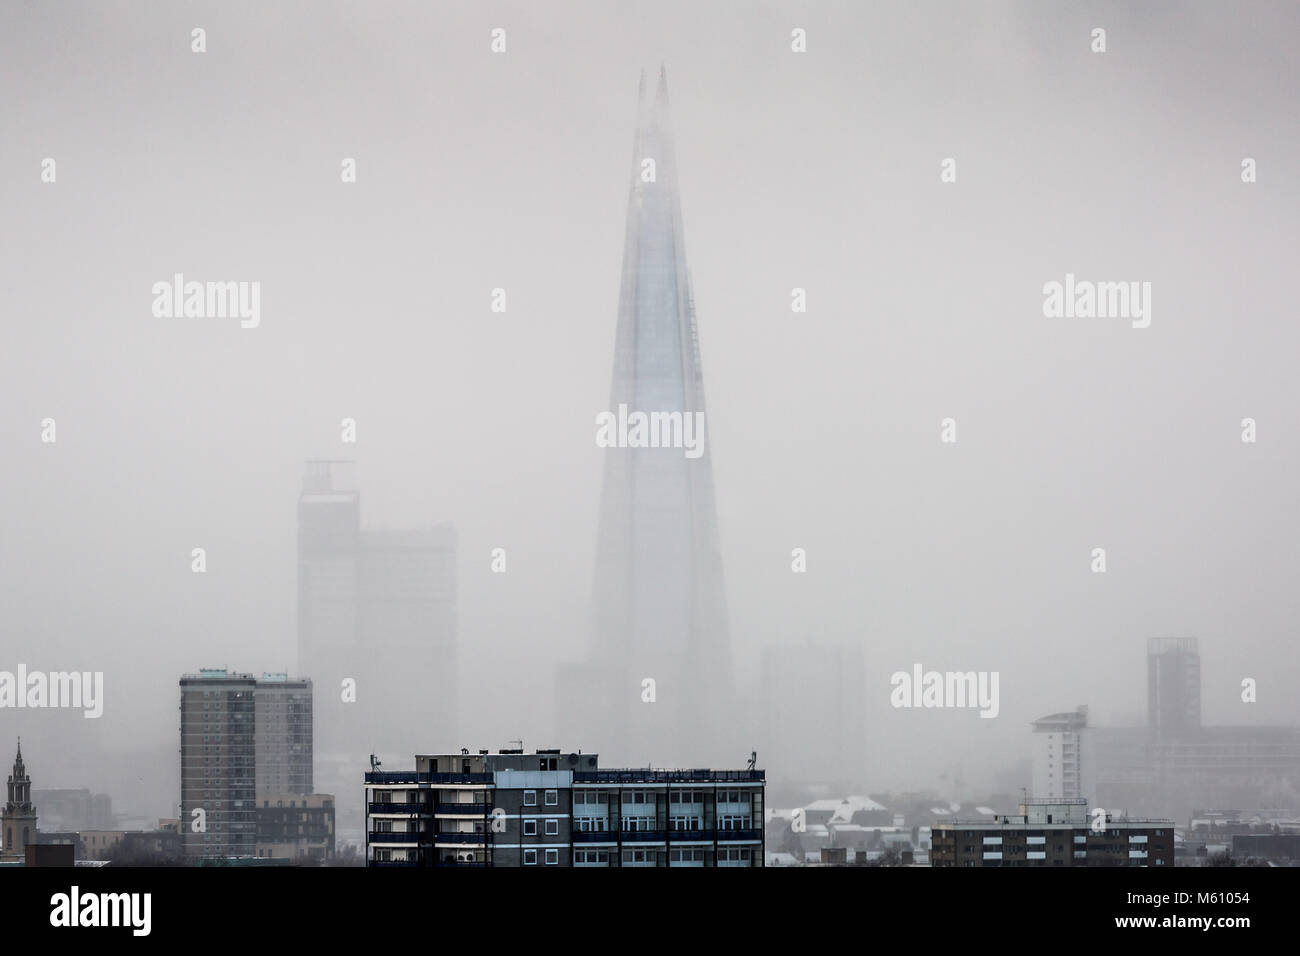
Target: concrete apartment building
x=246, y=751
x=555, y=809
x=1063, y=757
x=282, y=712
x=218, y=764
x=1053, y=833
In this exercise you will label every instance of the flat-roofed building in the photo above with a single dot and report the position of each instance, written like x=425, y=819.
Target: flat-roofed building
x=1053, y=833
x=294, y=826
x=551, y=808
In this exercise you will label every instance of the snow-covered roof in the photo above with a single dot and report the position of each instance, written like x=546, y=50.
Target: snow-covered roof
x=844, y=808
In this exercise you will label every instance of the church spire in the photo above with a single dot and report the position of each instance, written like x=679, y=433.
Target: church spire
x=18, y=820
x=20, y=785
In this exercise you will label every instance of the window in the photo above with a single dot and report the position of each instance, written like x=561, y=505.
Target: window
x=552, y=857
x=552, y=798
x=530, y=857
x=530, y=828
x=552, y=827
x=530, y=798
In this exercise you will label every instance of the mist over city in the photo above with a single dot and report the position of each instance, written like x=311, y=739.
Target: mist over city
x=324, y=346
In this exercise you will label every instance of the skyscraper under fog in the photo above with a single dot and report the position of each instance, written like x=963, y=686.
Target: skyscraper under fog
x=1173, y=687
x=659, y=606
x=813, y=719
x=376, y=633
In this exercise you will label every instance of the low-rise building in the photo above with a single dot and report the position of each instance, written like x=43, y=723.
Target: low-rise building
x=294, y=826
x=1053, y=833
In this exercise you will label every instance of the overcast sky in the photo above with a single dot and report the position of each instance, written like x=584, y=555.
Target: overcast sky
x=817, y=170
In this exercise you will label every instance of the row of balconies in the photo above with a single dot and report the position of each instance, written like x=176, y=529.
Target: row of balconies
x=625, y=837
x=426, y=809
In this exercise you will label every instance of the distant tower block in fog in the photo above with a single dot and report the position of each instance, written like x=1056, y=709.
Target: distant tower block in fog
x=376, y=633
x=329, y=573
x=1063, y=757
x=659, y=604
x=1173, y=686
x=814, y=717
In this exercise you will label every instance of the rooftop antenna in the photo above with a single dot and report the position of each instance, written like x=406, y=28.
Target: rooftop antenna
x=375, y=763
x=753, y=759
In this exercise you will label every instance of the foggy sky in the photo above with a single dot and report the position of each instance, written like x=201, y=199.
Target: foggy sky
x=818, y=170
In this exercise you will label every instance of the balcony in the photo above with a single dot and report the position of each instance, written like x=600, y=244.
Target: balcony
x=594, y=836
x=693, y=836
x=463, y=809
x=408, y=808
x=668, y=776
x=483, y=838
x=396, y=776
x=398, y=838
x=405, y=864
x=463, y=863
x=411, y=777
x=739, y=836
x=643, y=836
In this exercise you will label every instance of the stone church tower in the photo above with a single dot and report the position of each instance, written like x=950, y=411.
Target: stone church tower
x=18, y=822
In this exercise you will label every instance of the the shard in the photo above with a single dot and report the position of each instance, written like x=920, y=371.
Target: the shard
x=657, y=685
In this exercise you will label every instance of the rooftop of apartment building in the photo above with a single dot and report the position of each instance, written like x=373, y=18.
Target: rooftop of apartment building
x=483, y=764
x=1051, y=814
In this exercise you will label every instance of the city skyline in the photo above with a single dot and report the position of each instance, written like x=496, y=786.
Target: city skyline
x=923, y=466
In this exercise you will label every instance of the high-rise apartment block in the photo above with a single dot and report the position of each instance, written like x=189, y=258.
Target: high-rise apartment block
x=283, y=718
x=218, y=764
x=246, y=765
x=1063, y=757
